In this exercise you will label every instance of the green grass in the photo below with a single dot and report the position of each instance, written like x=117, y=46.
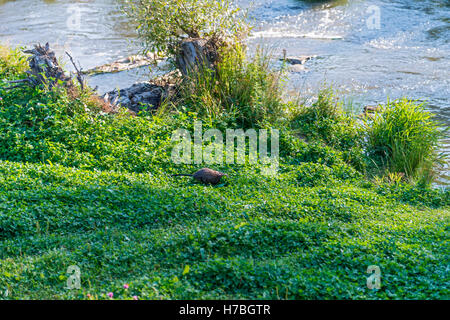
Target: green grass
x=255, y=238
x=240, y=91
x=327, y=121
x=404, y=138
x=80, y=187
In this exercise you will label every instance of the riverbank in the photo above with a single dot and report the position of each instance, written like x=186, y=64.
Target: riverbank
x=406, y=56
x=81, y=187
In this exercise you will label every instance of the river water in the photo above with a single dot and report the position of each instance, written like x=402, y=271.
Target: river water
x=368, y=50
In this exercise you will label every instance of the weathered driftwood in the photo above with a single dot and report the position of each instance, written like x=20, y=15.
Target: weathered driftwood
x=44, y=67
x=297, y=59
x=297, y=63
x=128, y=63
x=45, y=70
x=79, y=72
x=145, y=95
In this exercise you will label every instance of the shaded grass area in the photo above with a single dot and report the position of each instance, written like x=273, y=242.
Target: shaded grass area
x=274, y=239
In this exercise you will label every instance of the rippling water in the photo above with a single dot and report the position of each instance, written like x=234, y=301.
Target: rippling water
x=406, y=55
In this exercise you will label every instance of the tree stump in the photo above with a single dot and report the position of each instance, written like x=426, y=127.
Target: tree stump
x=194, y=54
x=44, y=67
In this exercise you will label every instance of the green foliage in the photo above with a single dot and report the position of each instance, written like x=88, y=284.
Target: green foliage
x=143, y=229
x=415, y=194
x=12, y=62
x=241, y=92
x=315, y=174
x=51, y=127
x=163, y=24
x=404, y=138
x=80, y=187
x=326, y=121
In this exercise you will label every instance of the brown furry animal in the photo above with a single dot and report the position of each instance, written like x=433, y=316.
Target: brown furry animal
x=205, y=175
x=371, y=109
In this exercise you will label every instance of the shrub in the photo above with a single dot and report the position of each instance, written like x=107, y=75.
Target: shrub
x=163, y=24
x=404, y=138
x=240, y=90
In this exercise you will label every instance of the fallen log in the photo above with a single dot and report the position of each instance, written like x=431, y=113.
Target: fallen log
x=145, y=95
x=297, y=59
x=140, y=96
x=128, y=63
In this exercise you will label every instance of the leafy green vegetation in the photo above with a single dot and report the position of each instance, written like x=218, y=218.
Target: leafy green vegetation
x=256, y=238
x=82, y=187
x=327, y=121
x=12, y=62
x=404, y=138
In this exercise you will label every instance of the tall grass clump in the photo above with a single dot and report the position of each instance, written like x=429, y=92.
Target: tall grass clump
x=239, y=89
x=404, y=138
x=12, y=62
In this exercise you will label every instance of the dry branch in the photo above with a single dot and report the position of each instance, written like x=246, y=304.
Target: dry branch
x=79, y=71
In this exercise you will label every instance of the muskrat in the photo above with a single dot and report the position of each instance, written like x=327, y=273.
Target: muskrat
x=205, y=175
x=371, y=109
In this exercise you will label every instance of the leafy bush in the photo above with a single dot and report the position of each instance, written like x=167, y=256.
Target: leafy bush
x=404, y=138
x=163, y=24
x=244, y=92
